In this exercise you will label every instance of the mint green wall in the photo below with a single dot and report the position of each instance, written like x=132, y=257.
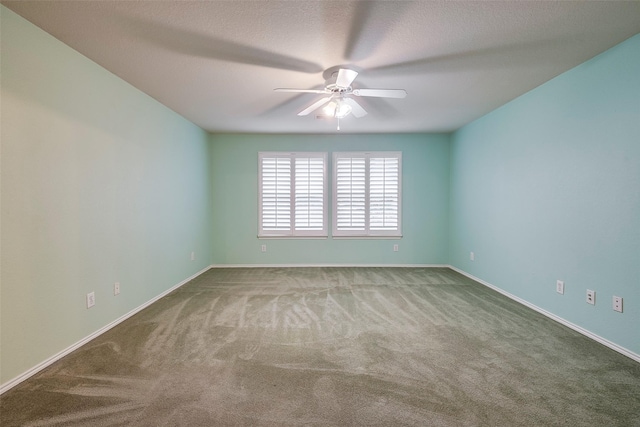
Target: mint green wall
x=425, y=167
x=100, y=183
x=548, y=187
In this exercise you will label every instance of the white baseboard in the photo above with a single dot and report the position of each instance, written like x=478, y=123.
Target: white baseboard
x=39, y=367
x=630, y=354
x=328, y=265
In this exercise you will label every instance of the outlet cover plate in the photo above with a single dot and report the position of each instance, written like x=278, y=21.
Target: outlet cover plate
x=116, y=288
x=617, y=304
x=591, y=297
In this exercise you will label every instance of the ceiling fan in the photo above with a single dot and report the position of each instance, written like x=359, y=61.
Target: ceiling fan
x=338, y=103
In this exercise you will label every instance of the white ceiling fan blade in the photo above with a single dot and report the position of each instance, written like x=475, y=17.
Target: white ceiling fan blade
x=284, y=89
x=381, y=93
x=356, y=109
x=345, y=77
x=314, y=106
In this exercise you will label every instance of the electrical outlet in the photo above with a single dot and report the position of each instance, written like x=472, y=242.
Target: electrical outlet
x=263, y=248
x=617, y=304
x=91, y=299
x=591, y=297
x=395, y=248
x=560, y=287
x=472, y=256
x=193, y=256
x=116, y=288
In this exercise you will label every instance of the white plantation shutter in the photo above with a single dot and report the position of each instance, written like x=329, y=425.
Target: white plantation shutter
x=350, y=193
x=276, y=193
x=309, y=193
x=384, y=193
x=367, y=194
x=292, y=194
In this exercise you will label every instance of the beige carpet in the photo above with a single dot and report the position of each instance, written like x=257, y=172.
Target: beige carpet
x=333, y=347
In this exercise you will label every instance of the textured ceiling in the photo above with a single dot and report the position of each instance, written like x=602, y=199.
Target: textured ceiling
x=217, y=62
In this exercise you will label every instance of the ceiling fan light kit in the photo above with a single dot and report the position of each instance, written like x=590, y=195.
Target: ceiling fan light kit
x=339, y=104
x=337, y=109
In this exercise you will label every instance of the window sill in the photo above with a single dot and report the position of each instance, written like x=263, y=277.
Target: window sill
x=293, y=237
x=366, y=237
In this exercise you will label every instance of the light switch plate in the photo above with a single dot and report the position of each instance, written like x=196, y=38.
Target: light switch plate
x=91, y=299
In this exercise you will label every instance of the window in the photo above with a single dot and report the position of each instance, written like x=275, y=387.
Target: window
x=367, y=194
x=292, y=192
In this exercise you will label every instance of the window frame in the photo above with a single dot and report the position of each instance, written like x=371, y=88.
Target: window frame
x=367, y=233
x=292, y=232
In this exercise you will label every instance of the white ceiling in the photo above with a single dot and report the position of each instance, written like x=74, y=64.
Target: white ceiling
x=217, y=62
